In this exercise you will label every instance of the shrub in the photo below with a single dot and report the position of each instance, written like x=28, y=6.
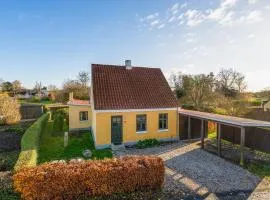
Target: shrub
x=90, y=178
x=9, y=110
x=19, y=130
x=147, y=143
x=30, y=144
x=58, y=123
x=34, y=100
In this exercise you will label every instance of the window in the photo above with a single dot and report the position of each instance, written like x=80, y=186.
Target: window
x=163, y=121
x=141, y=123
x=83, y=116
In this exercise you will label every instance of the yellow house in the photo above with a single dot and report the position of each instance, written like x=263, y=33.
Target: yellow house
x=80, y=114
x=128, y=104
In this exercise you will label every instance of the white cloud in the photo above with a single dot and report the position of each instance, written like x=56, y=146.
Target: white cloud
x=171, y=19
x=183, y=5
x=150, y=17
x=161, y=26
x=267, y=7
x=251, y=36
x=155, y=22
x=227, y=19
x=252, y=1
x=252, y=17
x=194, y=17
x=175, y=7
x=223, y=13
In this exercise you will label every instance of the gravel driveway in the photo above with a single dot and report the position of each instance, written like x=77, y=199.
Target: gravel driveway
x=190, y=170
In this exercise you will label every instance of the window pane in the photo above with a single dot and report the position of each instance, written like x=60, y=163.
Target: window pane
x=163, y=121
x=141, y=123
x=83, y=116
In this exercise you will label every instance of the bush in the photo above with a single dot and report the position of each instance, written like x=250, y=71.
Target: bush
x=9, y=110
x=147, y=143
x=30, y=144
x=34, y=100
x=90, y=178
x=58, y=123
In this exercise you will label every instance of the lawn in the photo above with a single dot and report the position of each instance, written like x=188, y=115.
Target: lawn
x=52, y=146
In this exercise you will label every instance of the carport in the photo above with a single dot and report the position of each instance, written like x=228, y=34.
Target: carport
x=241, y=123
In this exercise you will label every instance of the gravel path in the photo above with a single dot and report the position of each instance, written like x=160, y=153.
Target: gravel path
x=190, y=170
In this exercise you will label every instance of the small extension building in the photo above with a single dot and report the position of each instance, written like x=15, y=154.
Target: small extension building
x=127, y=104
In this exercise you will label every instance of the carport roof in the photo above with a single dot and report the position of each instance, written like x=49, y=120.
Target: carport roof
x=225, y=119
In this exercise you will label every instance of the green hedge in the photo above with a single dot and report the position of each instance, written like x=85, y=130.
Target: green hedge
x=142, y=144
x=30, y=144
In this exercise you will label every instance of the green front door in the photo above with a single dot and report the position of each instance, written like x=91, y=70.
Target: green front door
x=117, y=130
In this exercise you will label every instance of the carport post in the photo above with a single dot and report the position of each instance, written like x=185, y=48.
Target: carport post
x=202, y=134
x=242, y=143
x=189, y=128
x=219, y=140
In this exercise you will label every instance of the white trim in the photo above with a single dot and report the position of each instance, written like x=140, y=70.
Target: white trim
x=136, y=110
x=141, y=132
x=163, y=130
x=73, y=104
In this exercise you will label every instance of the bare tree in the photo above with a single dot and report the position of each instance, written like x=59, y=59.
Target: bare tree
x=52, y=88
x=230, y=82
x=38, y=88
x=16, y=86
x=83, y=78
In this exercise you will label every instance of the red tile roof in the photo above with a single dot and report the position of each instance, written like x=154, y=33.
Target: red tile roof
x=115, y=87
x=79, y=102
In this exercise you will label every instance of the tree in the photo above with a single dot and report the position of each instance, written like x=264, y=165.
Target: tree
x=38, y=88
x=230, y=82
x=177, y=84
x=83, y=78
x=16, y=86
x=200, y=90
x=9, y=110
x=6, y=86
x=52, y=88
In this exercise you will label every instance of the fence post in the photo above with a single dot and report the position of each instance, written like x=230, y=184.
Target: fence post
x=65, y=139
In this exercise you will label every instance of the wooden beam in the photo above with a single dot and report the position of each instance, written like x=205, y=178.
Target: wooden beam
x=219, y=140
x=202, y=134
x=242, y=145
x=189, y=127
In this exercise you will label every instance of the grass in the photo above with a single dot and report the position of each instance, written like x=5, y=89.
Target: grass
x=260, y=169
x=52, y=146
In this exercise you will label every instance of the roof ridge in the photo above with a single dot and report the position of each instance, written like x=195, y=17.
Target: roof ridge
x=133, y=66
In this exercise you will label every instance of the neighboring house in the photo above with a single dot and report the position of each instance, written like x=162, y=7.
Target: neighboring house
x=80, y=114
x=128, y=104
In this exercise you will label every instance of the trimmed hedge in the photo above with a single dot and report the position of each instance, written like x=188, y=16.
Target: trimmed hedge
x=90, y=178
x=30, y=144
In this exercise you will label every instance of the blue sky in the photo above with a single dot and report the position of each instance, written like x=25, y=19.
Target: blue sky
x=50, y=41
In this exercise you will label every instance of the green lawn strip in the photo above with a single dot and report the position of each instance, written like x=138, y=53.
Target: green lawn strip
x=52, y=146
